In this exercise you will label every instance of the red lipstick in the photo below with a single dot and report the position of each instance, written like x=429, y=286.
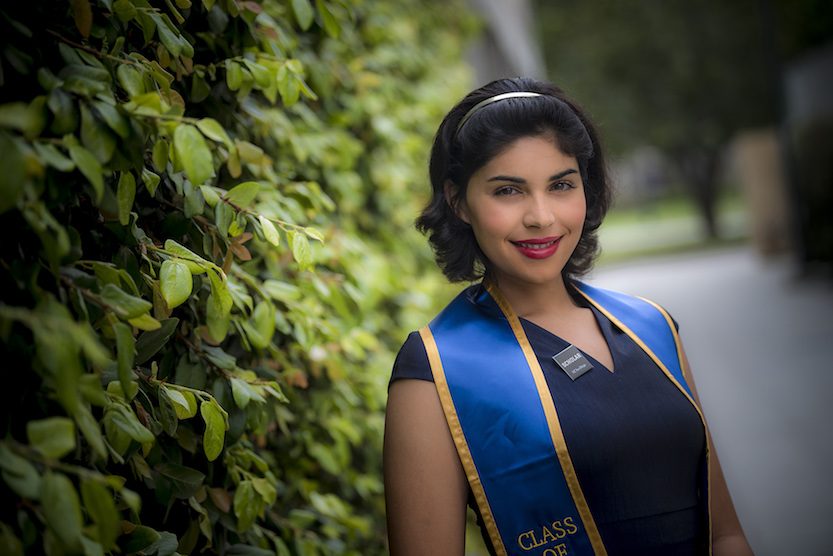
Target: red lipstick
x=538, y=248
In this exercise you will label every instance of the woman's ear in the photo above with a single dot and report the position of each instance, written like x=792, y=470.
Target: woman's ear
x=459, y=207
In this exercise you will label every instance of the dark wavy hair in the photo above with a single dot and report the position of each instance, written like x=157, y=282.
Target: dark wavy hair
x=457, y=155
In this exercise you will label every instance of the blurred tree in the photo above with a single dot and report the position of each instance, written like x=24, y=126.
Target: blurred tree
x=800, y=61
x=683, y=76
x=800, y=25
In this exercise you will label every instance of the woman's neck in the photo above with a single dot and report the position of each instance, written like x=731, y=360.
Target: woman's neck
x=536, y=300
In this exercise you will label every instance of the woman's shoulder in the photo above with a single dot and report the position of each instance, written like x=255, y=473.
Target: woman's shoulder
x=412, y=360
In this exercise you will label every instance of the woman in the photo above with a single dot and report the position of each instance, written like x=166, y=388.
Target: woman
x=563, y=414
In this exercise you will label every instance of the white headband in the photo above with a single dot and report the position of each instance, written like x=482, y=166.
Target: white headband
x=490, y=100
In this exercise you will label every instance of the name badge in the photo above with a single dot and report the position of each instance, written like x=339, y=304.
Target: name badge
x=572, y=362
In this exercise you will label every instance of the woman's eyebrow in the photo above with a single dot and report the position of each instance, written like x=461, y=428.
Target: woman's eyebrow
x=513, y=179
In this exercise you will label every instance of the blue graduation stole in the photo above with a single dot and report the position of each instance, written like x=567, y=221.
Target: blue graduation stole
x=504, y=422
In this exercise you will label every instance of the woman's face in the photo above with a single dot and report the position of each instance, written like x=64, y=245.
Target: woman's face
x=526, y=208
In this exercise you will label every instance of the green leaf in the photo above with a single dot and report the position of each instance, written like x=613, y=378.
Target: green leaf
x=249, y=152
x=280, y=547
x=263, y=321
x=63, y=108
x=215, y=429
x=152, y=341
x=262, y=75
x=247, y=505
x=266, y=490
x=241, y=392
x=90, y=167
x=53, y=157
x=165, y=546
x=145, y=322
x=54, y=237
x=23, y=117
x=194, y=202
x=212, y=129
x=210, y=195
x=160, y=155
x=106, y=273
x=141, y=538
x=218, y=310
x=195, y=263
x=95, y=136
x=54, y=437
x=175, y=282
x=131, y=80
x=10, y=545
x=20, y=475
x=89, y=385
x=331, y=25
x=326, y=457
x=125, y=347
x=288, y=86
x=167, y=414
x=314, y=234
x=220, y=358
x=234, y=75
x=223, y=217
x=83, y=15
x=302, y=519
x=168, y=35
x=117, y=438
x=125, y=194
x=185, y=403
x=62, y=509
x=126, y=305
x=301, y=251
x=90, y=427
x=148, y=26
x=114, y=388
x=150, y=180
x=13, y=176
x=281, y=291
x=303, y=13
x=193, y=152
x=125, y=10
x=124, y=418
x=191, y=375
x=186, y=481
x=113, y=118
x=242, y=195
x=270, y=231
x=99, y=503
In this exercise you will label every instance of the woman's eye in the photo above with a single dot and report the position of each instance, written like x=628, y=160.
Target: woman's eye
x=503, y=191
x=562, y=186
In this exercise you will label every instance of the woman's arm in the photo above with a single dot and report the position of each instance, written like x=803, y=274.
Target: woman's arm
x=727, y=534
x=425, y=486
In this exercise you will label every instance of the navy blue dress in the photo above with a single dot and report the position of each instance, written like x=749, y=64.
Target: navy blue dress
x=637, y=444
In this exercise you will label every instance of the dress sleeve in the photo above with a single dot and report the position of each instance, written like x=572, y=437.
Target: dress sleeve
x=412, y=360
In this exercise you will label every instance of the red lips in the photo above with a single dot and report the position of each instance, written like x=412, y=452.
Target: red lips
x=538, y=248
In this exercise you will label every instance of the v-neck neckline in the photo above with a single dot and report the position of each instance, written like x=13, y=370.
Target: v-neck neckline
x=605, y=327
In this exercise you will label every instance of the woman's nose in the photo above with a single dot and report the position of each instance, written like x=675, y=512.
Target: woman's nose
x=539, y=213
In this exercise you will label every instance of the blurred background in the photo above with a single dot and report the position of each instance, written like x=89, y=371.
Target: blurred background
x=718, y=118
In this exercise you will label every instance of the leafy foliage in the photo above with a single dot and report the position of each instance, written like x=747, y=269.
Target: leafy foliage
x=206, y=218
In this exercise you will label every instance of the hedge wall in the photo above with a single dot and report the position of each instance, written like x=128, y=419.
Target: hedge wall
x=208, y=260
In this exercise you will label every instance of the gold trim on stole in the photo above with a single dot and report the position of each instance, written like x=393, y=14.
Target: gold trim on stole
x=453, y=421
x=553, y=423
x=665, y=370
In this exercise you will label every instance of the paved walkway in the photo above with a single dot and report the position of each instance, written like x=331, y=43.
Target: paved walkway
x=760, y=343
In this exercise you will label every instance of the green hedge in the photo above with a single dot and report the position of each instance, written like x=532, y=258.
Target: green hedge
x=208, y=260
